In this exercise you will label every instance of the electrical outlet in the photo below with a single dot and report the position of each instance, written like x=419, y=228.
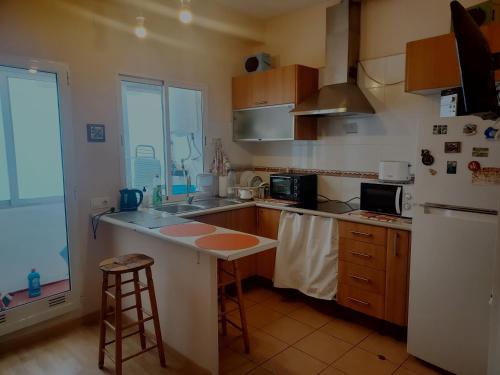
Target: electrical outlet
x=351, y=128
x=100, y=203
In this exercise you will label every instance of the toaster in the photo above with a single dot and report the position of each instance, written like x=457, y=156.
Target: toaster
x=394, y=171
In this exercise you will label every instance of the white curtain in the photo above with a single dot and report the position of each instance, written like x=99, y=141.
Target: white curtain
x=307, y=255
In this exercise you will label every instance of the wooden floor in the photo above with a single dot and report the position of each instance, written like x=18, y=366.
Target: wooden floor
x=75, y=352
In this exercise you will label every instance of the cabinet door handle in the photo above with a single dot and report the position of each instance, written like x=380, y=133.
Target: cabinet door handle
x=261, y=102
x=362, y=234
x=360, y=278
x=358, y=301
x=363, y=255
x=395, y=244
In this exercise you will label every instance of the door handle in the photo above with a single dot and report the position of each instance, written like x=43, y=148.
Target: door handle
x=358, y=301
x=362, y=234
x=261, y=102
x=360, y=278
x=395, y=244
x=355, y=253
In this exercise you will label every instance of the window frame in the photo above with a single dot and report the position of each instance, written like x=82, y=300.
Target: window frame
x=125, y=165
x=8, y=128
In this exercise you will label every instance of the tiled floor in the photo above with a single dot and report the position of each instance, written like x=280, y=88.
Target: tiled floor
x=290, y=335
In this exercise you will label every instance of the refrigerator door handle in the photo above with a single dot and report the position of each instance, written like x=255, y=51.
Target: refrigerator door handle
x=459, y=208
x=397, y=200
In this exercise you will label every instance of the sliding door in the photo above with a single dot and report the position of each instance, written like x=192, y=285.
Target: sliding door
x=34, y=247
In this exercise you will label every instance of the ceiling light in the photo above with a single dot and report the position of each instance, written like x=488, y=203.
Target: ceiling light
x=32, y=70
x=139, y=30
x=185, y=15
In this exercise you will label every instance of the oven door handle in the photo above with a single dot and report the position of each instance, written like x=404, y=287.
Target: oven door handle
x=397, y=199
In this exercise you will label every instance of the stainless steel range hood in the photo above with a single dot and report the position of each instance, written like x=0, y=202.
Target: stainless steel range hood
x=340, y=96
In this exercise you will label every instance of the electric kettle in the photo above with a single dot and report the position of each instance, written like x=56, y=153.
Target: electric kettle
x=130, y=199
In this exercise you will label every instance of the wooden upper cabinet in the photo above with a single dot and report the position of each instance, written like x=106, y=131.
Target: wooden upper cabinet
x=397, y=277
x=285, y=85
x=432, y=63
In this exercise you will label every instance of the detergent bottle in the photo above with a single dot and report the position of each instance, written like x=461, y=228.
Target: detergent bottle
x=34, y=289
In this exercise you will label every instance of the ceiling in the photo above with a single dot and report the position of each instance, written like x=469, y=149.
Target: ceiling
x=267, y=8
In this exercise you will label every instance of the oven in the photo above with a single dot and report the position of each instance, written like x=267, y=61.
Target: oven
x=295, y=187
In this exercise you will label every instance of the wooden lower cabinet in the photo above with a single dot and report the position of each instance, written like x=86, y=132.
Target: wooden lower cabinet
x=373, y=271
x=243, y=220
x=397, y=276
x=260, y=221
x=268, y=221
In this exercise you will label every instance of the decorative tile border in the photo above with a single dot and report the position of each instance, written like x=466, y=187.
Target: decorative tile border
x=320, y=172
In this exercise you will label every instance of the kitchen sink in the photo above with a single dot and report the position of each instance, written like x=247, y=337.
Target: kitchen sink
x=216, y=202
x=198, y=205
x=179, y=208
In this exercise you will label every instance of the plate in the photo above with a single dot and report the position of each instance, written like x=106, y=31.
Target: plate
x=246, y=177
x=255, y=181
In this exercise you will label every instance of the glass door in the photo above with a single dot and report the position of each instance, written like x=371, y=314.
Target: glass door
x=34, y=241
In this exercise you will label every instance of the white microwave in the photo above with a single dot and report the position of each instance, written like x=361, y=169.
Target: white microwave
x=391, y=199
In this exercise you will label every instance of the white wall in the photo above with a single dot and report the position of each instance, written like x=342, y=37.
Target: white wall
x=390, y=134
x=94, y=38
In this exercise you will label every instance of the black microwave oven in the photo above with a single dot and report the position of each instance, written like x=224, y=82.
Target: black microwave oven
x=384, y=198
x=294, y=187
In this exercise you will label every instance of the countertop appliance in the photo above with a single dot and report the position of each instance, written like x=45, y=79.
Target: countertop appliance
x=294, y=186
x=452, y=256
x=130, y=199
x=396, y=171
x=384, y=198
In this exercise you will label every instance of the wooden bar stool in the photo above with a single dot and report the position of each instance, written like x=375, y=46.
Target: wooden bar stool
x=118, y=266
x=231, y=277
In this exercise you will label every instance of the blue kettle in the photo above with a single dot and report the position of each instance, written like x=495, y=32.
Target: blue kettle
x=130, y=199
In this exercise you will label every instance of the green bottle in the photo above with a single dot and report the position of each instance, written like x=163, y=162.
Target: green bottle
x=157, y=197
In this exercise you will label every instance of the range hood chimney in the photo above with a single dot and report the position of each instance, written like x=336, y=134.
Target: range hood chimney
x=340, y=97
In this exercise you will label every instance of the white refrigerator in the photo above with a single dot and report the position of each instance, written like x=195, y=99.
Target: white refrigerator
x=453, y=253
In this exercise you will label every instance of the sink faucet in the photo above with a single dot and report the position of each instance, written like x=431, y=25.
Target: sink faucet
x=189, y=198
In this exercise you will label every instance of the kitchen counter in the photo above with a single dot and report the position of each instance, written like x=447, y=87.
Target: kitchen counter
x=190, y=242
x=354, y=216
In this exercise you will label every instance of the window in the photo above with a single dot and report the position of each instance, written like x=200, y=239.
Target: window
x=170, y=147
x=30, y=144
x=143, y=121
x=186, y=136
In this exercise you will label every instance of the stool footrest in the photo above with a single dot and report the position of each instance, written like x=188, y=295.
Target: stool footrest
x=137, y=322
x=233, y=324
x=128, y=294
x=123, y=337
x=228, y=273
x=140, y=352
x=226, y=283
x=123, y=310
x=123, y=282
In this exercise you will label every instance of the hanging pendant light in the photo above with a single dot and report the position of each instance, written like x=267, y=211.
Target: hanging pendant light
x=185, y=14
x=139, y=30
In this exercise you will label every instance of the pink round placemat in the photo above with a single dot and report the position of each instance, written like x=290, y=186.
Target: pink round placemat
x=188, y=230
x=227, y=241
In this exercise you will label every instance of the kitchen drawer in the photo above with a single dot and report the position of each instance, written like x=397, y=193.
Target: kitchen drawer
x=360, y=300
x=363, y=232
x=362, y=253
x=365, y=278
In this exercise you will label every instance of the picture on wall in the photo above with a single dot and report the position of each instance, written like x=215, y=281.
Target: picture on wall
x=96, y=133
